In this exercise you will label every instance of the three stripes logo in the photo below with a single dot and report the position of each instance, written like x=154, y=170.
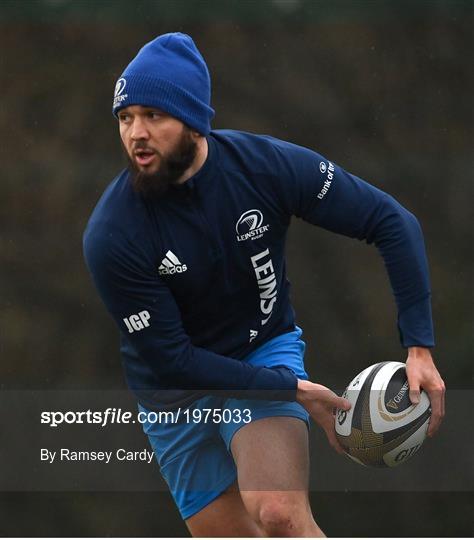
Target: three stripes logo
x=171, y=265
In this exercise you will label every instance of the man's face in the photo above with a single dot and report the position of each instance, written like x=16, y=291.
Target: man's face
x=159, y=148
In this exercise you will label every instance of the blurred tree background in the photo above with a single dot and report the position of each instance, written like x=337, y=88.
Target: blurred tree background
x=381, y=87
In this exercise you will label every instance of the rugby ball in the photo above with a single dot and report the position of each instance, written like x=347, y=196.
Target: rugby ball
x=382, y=428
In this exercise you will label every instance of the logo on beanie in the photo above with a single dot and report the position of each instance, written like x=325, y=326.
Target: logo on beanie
x=119, y=96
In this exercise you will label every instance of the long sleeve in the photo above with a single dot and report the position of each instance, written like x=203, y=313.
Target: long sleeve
x=325, y=195
x=146, y=312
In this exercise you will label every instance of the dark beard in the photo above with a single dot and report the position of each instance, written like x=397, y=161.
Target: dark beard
x=171, y=168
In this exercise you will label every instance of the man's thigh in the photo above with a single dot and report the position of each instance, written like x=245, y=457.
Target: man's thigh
x=272, y=454
x=272, y=459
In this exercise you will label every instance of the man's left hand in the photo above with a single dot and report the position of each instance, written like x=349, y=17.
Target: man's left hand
x=422, y=373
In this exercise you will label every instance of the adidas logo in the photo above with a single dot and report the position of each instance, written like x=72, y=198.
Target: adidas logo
x=171, y=265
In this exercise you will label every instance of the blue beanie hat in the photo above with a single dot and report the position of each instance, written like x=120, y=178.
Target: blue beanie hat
x=170, y=74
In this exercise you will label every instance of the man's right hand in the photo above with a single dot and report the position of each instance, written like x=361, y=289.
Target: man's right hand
x=321, y=402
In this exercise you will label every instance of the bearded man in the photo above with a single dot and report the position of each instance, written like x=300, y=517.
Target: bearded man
x=186, y=248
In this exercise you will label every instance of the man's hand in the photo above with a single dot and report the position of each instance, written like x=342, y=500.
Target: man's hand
x=422, y=373
x=320, y=402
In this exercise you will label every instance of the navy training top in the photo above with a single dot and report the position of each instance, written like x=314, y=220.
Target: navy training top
x=196, y=280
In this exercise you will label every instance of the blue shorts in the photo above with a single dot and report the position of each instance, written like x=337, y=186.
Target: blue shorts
x=194, y=456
